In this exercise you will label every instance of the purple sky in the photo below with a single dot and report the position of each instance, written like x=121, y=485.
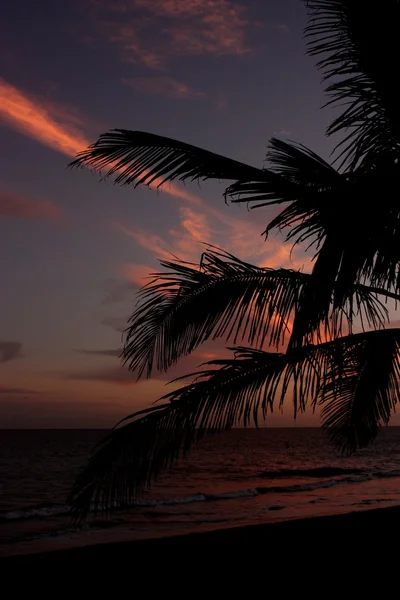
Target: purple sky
x=224, y=74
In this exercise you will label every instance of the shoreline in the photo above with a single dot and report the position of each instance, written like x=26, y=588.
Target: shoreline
x=248, y=534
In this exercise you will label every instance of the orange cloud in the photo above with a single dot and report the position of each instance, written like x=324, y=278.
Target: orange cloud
x=138, y=275
x=30, y=118
x=204, y=223
x=163, y=86
x=54, y=127
x=185, y=243
x=151, y=242
x=17, y=207
x=164, y=29
x=195, y=224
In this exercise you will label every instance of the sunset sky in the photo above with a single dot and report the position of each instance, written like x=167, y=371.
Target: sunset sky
x=223, y=74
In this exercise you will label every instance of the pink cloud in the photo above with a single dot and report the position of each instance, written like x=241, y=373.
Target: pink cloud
x=163, y=86
x=13, y=206
x=164, y=29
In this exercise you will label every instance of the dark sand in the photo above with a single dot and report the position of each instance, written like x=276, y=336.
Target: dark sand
x=386, y=519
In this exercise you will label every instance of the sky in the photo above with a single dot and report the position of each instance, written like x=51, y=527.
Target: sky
x=226, y=75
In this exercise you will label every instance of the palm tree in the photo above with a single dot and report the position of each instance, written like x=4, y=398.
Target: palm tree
x=320, y=361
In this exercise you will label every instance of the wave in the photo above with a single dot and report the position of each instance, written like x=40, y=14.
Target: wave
x=30, y=512
x=353, y=476
x=388, y=474
x=318, y=472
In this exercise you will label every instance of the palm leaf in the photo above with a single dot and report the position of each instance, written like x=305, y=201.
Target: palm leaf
x=361, y=394
x=227, y=298
x=359, y=54
x=223, y=297
x=137, y=157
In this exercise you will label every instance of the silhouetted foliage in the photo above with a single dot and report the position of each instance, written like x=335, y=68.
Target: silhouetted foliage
x=307, y=319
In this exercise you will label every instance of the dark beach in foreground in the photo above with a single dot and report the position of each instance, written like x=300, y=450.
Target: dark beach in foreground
x=386, y=518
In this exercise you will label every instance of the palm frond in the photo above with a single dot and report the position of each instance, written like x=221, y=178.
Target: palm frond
x=227, y=298
x=137, y=157
x=223, y=297
x=360, y=53
x=133, y=456
x=362, y=391
x=355, y=401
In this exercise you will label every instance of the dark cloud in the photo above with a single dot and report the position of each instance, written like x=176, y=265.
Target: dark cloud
x=114, y=353
x=17, y=207
x=10, y=351
x=121, y=375
x=117, y=323
x=119, y=291
x=15, y=390
x=109, y=375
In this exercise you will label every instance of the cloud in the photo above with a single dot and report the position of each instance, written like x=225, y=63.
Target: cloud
x=163, y=86
x=118, y=375
x=152, y=32
x=241, y=237
x=116, y=323
x=13, y=206
x=55, y=127
x=195, y=224
x=115, y=353
x=52, y=127
x=281, y=27
x=152, y=242
x=283, y=132
x=137, y=275
x=16, y=390
x=10, y=351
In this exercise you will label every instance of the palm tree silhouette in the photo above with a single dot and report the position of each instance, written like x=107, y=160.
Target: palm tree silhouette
x=319, y=361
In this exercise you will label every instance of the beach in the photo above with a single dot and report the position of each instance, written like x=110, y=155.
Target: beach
x=381, y=520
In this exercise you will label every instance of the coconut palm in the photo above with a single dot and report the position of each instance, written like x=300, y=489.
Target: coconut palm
x=318, y=360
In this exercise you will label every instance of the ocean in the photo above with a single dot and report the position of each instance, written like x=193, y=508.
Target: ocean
x=242, y=477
